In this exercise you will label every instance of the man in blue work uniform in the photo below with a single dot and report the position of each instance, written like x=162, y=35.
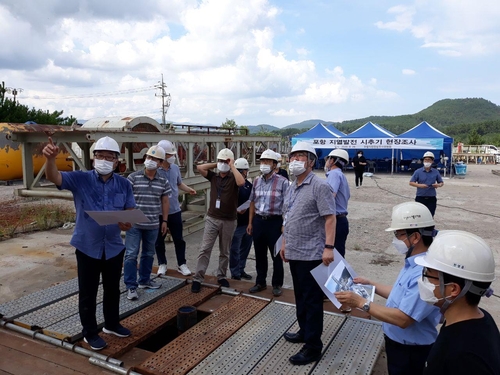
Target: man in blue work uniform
x=409, y=324
x=335, y=161
x=266, y=220
x=427, y=179
x=242, y=241
x=99, y=249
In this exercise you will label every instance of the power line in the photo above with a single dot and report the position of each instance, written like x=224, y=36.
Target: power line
x=97, y=95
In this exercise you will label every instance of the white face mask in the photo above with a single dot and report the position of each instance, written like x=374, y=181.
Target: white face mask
x=223, y=167
x=171, y=160
x=426, y=291
x=279, y=165
x=400, y=246
x=427, y=165
x=150, y=165
x=265, y=169
x=297, y=167
x=359, y=155
x=103, y=167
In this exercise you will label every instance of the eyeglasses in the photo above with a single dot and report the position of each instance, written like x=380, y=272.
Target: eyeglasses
x=153, y=158
x=397, y=235
x=104, y=157
x=298, y=155
x=424, y=274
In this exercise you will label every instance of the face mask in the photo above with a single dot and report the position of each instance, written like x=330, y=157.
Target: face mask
x=327, y=169
x=297, y=167
x=359, y=155
x=279, y=165
x=426, y=291
x=265, y=169
x=223, y=167
x=103, y=167
x=150, y=165
x=171, y=160
x=400, y=246
x=427, y=165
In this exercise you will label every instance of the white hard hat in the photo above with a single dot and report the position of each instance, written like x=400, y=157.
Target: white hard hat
x=107, y=144
x=339, y=153
x=241, y=163
x=168, y=147
x=156, y=152
x=460, y=254
x=410, y=215
x=428, y=154
x=303, y=146
x=269, y=155
x=278, y=156
x=225, y=154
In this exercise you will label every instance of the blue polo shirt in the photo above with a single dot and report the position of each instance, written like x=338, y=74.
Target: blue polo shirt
x=173, y=176
x=421, y=176
x=405, y=297
x=337, y=181
x=91, y=193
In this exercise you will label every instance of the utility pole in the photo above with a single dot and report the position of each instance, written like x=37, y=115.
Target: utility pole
x=165, y=99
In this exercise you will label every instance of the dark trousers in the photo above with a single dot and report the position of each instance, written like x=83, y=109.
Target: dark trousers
x=240, y=248
x=308, y=301
x=405, y=359
x=359, y=176
x=341, y=232
x=89, y=270
x=265, y=234
x=429, y=202
x=175, y=229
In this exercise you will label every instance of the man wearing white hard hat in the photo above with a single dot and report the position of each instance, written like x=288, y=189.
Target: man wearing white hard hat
x=99, y=249
x=409, y=324
x=220, y=220
x=335, y=162
x=427, y=179
x=151, y=192
x=457, y=271
x=279, y=170
x=309, y=237
x=174, y=219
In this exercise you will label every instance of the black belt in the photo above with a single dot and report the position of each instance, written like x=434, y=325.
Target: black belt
x=341, y=215
x=268, y=217
x=389, y=341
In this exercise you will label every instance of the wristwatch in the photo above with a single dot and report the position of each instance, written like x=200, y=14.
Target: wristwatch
x=366, y=306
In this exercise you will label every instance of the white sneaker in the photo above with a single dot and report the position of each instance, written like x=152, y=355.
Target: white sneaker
x=132, y=294
x=162, y=270
x=184, y=270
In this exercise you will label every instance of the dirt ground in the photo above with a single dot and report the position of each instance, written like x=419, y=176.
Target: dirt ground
x=33, y=261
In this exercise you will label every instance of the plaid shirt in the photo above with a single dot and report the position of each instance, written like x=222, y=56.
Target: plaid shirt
x=268, y=195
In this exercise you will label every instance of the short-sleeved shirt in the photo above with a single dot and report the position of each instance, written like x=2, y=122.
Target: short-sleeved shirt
x=91, y=193
x=305, y=209
x=268, y=195
x=338, y=182
x=421, y=176
x=148, y=193
x=467, y=347
x=243, y=195
x=406, y=297
x=356, y=160
x=173, y=175
x=226, y=190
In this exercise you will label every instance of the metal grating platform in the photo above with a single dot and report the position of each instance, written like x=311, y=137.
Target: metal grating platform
x=70, y=327
x=37, y=300
x=153, y=318
x=187, y=350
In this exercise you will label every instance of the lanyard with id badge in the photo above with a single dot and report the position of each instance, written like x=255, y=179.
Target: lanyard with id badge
x=219, y=191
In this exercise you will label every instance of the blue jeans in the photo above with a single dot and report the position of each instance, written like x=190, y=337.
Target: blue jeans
x=240, y=248
x=132, y=244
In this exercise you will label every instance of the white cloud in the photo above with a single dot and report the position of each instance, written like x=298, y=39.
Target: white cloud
x=408, y=72
x=286, y=113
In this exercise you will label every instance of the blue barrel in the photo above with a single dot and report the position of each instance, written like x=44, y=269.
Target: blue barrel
x=461, y=169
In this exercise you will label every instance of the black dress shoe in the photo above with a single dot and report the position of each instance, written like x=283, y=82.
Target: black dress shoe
x=235, y=277
x=293, y=337
x=223, y=282
x=246, y=276
x=257, y=288
x=305, y=356
x=196, y=287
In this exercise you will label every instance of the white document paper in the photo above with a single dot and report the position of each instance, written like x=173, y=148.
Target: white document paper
x=277, y=245
x=115, y=217
x=322, y=274
x=244, y=206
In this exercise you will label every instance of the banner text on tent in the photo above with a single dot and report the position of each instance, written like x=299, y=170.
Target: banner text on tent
x=378, y=143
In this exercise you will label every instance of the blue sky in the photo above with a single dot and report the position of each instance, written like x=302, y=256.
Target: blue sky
x=254, y=61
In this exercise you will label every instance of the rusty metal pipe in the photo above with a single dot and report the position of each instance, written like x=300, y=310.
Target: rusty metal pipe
x=63, y=344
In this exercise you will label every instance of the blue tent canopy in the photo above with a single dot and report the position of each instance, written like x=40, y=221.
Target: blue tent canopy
x=371, y=130
x=333, y=129
x=425, y=130
x=317, y=131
